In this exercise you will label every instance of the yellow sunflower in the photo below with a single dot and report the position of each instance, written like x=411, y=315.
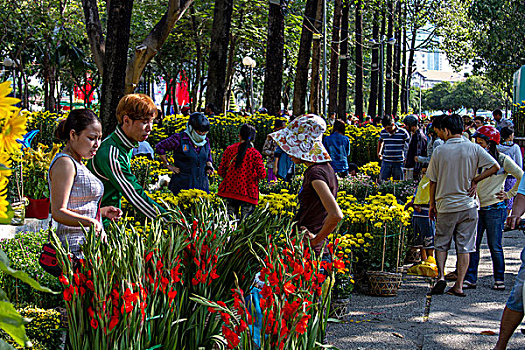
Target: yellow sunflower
x=5, y=165
x=14, y=127
x=6, y=103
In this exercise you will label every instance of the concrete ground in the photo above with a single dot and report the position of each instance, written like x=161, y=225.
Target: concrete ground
x=453, y=323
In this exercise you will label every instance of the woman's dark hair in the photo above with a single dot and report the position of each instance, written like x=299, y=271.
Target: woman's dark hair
x=506, y=132
x=248, y=135
x=493, y=150
x=78, y=120
x=339, y=126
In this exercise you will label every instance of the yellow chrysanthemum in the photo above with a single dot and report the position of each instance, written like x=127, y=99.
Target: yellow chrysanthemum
x=14, y=127
x=6, y=103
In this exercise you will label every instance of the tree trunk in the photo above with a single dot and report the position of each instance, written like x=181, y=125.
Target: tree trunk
x=230, y=71
x=154, y=41
x=195, y=88
x=374, y=69
x=404, y=93
x=388, y=75
x=114, y=72
x=410, y=69
x=397, y=59
x=359, y=108
x=220, y=37
x=343, y=70
x=273, y=75
x=94, y=33
x=315, y=82
x=303, y=58
x=334, y=58
x=381, y=88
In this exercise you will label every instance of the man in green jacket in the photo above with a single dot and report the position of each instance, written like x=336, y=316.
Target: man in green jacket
x=111, y=164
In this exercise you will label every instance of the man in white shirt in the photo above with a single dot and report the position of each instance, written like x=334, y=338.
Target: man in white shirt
x=453, y=179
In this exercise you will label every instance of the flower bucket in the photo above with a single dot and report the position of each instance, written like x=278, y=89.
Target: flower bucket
x=38, y=208
x=413, y=255
x=384, y=284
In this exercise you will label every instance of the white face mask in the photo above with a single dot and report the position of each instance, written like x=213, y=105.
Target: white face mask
x=198, y=140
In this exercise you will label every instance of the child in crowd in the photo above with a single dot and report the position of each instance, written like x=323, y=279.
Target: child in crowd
x=424, y=228
x=269, y=149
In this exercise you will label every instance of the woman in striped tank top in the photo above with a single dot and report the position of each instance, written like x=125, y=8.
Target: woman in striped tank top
x=75, y=191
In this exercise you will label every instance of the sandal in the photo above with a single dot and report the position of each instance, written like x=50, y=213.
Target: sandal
x=469, y=285
x=451, y=276
x=451, y=291
x=439, y=288
x=499, y=285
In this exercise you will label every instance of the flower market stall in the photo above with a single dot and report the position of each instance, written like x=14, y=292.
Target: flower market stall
x=190, y=278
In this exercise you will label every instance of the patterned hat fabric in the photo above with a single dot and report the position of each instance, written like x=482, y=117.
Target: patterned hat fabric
x=302, y=138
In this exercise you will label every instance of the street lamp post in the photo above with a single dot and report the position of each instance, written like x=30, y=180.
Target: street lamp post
x=381, y=43
x=249, y=62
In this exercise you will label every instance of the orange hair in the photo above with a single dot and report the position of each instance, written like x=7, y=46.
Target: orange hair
x=136, y=107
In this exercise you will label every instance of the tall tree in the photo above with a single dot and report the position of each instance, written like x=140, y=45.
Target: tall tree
x=359, y=108
x=374, y=69
x=303, y=59
x=389, y=59
x=397, y=59
x=273, y=76
x=334, y=57
x=109, y=52
x=343, y=70
x=220, y=36
x=315, y=81
x=115, y=59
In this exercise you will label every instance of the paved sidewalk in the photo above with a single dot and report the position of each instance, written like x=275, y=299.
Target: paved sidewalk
x=453, y=322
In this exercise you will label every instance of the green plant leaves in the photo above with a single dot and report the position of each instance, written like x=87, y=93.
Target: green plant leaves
x=13, y=324
x=24, y=277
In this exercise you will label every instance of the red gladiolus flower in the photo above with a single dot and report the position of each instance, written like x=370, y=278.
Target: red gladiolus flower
x=90, y=286
x=289, y=288
x=113, y=323
x=159, y=265
x=320, y=278
x=221, y=303
x=303, y=324
x=114, y=294
x=94, y=323
x=68, y=295
x=171, y=295
x=298, y=269
x=241, y=327
x=90, y=312
x=164, y=281
x=273, y=279
x=63, y=279
x=148, y=257
x=175, y=274
x=232, y=338
x=213, y=274
x=225, y=317
x=82, y=291
x=266, y=291
x=262, y=304
x=76, y=278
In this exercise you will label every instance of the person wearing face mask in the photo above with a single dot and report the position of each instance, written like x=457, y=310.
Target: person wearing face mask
x=192, y=161
x=75, y=192
x=493, y=211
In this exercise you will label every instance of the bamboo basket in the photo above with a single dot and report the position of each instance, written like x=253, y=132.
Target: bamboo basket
x=384, y=284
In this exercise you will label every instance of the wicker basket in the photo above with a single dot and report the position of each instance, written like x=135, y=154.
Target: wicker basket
x=384, y=284
x=413, y=256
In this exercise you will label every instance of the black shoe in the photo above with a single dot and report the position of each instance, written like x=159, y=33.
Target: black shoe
x=439, y=288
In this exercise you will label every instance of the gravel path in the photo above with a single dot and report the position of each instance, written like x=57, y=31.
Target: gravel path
x=453, y=323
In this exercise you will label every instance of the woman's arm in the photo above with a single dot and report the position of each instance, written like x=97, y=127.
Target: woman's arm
x=513, y=169
x=62, y=175
x=332, y=208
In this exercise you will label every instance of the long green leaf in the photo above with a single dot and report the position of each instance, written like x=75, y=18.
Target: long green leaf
x=13, y=324
x=21, y=275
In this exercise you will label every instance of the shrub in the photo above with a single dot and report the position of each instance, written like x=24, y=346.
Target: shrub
x=23, y=251
x=43, y=330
